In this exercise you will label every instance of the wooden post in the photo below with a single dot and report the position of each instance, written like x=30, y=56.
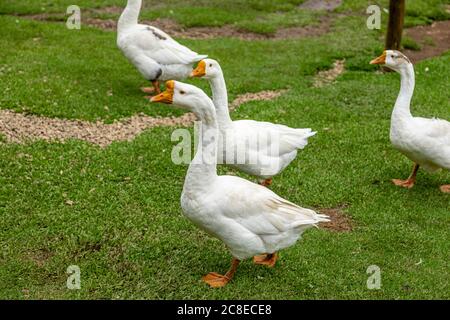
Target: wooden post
x=395, y=24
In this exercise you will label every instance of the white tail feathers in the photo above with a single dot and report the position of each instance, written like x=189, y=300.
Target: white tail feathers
x=311, y=222
x=297, y=216
x=297, y=138
x=323, y=218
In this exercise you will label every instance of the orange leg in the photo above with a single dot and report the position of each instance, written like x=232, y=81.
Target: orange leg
x=152, y=90
x=216, y=280
x=445, y=188
x=266, y=259
x=156, y=86
x=148, y=90
x=267, y=182
x=408, y=183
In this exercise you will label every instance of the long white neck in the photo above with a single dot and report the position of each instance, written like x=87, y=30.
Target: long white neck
x=220, y=99
x=402, y=105
x=130, y=15
x=203, y=168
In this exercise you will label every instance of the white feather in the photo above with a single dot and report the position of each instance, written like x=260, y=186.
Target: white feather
x=249, y=218
x=273, y=156
x=152, y=51
x=424, y=141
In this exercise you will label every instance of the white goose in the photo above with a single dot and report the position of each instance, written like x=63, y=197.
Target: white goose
x=250, y=219
x=277, y=153
x=424, y=141
x=152, y=51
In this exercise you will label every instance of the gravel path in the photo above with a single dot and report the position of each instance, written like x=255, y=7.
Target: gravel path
x=328, y=76
x=23, y=128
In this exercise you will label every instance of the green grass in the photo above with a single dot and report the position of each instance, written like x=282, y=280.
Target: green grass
x=418, y=12
x=409, y=43
x=124, y=225
x=263, y=16
x=256, y=15
x=77, y=79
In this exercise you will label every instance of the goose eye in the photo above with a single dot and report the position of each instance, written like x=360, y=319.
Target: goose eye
x=182, y=92
x=210, y=64
x=392, y=56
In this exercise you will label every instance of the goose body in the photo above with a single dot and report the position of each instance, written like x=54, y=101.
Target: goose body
x=275, y=155
x=270, y=158
x=425, y=141
x=249, y=218
x=152, y=51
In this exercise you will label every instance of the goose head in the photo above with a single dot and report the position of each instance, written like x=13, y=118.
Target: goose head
x=187, y=97
x=207, y=68
x=392, y=59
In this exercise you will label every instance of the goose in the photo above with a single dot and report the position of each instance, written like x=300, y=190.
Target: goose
x=152, y=51
x=425, y=141
x=273, y=156
x=250, y=219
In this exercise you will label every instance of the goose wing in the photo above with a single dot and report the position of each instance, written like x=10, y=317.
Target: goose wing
x=429, y=139
x=287, y=139
x=440, y=129
x=260, y=210
x=159, y=46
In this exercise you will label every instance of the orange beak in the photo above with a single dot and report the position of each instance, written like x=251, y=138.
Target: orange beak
x=200, y=71
x=167, y=95
x=380, y=60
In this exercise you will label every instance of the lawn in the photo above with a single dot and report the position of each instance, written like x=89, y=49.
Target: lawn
x=115, y=211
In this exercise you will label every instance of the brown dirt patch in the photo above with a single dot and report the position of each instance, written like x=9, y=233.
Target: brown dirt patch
x=40, y=257
x=328, y=76
x=104, y=24
x=328, y=5
x=45, y=16
x=339, y=220
x=434, y=40
x=22, y=128
x=62, y=16
x=177, y=31
x=323, y=27
x=86, y=249
x=106, y=10
x=227, y=31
